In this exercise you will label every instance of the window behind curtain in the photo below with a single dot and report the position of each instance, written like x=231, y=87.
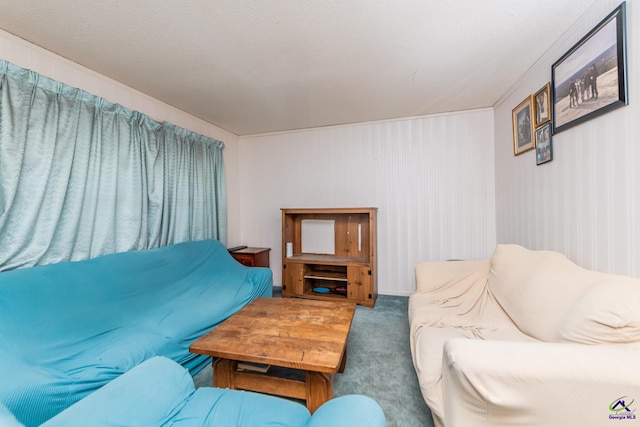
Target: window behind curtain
x=82, y=177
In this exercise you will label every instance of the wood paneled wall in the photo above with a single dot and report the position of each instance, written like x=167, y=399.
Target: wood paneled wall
x=586, y=202
x=432, y=179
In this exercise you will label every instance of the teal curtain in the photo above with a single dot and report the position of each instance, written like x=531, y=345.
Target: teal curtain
x=82, y=177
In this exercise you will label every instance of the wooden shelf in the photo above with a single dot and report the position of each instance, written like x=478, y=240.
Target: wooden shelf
x=336, y=277
x=326, y=259
x=324, y=297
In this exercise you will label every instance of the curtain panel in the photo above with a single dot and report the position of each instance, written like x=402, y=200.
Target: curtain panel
x=82, y=177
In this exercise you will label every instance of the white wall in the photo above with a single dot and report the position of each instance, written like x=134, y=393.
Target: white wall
x=586, y=202
x=431, y=178
x=32, y=57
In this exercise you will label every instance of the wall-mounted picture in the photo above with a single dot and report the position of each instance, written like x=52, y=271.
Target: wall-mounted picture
x=544, y=149
x=590, y=79
x=542, y=105
x=522, y=121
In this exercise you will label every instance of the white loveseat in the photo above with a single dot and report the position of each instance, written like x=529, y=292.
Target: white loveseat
x=526, y=338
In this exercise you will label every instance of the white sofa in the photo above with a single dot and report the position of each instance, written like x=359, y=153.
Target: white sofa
x=526, y=338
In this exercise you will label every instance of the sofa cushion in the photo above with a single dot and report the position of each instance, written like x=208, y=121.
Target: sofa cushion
x=211, y=406
x=537, y=288
x=426, y=349
x=607, y=313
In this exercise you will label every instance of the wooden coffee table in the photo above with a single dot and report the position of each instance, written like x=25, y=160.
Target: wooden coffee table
x=307, y=335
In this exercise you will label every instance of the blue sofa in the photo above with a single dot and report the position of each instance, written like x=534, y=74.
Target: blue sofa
x=68, y=329
x=160, y=392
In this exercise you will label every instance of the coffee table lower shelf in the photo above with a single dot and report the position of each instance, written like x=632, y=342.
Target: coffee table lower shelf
x=316, y=389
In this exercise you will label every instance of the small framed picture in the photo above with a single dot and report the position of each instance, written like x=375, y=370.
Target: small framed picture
x=544, y=149
x=522, y=121
x=542, y=104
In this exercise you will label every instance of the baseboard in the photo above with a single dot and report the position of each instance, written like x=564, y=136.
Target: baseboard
x=396, y=293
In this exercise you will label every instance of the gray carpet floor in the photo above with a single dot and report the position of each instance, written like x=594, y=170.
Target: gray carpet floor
x=378, y=364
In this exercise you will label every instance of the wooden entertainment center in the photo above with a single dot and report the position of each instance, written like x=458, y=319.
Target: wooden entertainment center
x=343, y=268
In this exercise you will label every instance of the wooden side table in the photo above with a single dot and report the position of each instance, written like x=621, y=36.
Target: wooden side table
x=252, y=257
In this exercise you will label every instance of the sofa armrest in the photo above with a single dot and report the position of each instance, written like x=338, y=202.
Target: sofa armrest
x=435, y=276
x=349, y=411
x=159, y=390
x=149, y=394
x=506, y=383
x=452, y=293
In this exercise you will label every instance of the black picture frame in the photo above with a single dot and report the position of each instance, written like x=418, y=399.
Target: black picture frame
x=544, y=146
x=591, y=78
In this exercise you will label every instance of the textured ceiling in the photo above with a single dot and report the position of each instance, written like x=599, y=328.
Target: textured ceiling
x=255, y=66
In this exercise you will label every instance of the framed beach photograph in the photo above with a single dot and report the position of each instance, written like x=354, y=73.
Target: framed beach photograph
x=544, y=148
x=522, y=122
x=590, y=79
x=542, y=105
